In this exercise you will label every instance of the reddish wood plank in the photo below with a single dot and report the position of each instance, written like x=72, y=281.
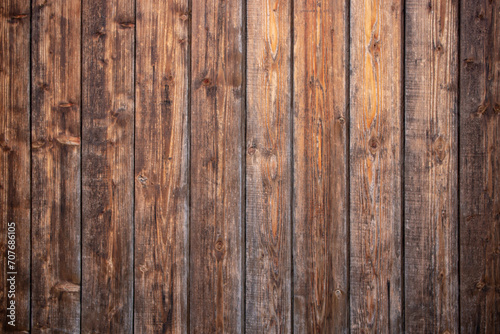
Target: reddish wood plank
x=375, y=167
x=107, y=165
x=15, y=163
x=320, y=174
x=480, y=166
x=161, y=167
x=268, y=167
x=431, y=257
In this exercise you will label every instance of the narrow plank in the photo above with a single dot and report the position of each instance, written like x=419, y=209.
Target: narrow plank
x=161, y=167
x=56, y=166
x=479, y=167
x=321, y=269
x=268, y=167
x=107, y=165
x=375, y=165
x=431, y=220
x=15, y=161
x=216, y=173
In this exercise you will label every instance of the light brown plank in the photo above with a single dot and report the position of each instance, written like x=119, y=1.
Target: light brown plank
x=375, y=167
x=480, y=166
x=161, y=167
x=15, y=163
x=431, y=220
x=320, y=167
x=268, y=167
x=107, y=161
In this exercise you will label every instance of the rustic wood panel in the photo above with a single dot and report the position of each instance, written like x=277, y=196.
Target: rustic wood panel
x=268, y=167
x=321, y=269
x=56, y=166
x=375, y=166
x=431, y=206
x=216, y=250
x=107, y=165
x=161, y=167
x=479, y=166
x=15, y=159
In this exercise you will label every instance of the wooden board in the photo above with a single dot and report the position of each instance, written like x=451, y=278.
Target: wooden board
x=268, y=167
x=375, y=166
x=216, y=282
x=107, y=165
x=431, y=206
x=161, y=167
x=321, y=269
x=479, y=167
x=15, y=197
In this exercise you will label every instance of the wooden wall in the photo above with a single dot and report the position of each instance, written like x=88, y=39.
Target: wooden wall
x=258, y=166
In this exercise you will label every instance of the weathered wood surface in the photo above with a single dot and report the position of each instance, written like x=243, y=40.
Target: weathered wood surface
x=431, y=206
x=216, y=217
x=15, y=157
x=320, y=265
x=161, y=167
x=107, y=166
x=480, y=166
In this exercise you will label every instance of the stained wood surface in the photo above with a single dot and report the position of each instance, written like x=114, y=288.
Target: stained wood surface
x=216, y=217
x=479, y=166
x=161, y=167
x=321, y=269
x=15, y=162
x=107, y=166
x=431, y=206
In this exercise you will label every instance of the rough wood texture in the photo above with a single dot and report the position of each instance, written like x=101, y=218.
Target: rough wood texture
x=431, y=205
x=107, y=165
x=375, y=189
x=320, y=174
x=216, y=289
x=161, y=167
x=56, y=166
x=268, y=167
x=480, y=167
x=15, y=157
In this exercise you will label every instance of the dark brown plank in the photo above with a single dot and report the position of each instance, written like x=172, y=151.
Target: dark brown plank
x=431, y=273
x=375, y=167
x=320, y=167
x=161, y=167
x=15, y=163
x=479, y=167
x=56, y=166
x=216, y=168
x=268, y=167
x=107, y=165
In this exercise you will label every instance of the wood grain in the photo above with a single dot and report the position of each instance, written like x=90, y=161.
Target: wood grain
x=107, y=165
x=216, y=289
x=161, y=167
x=480, y=166
x=320, y=167
x=268, y=167
x=15, y=198
x=375, y=166
x=431, y=206
x=56, y=166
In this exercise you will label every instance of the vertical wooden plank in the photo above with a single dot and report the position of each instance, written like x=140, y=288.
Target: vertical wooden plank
x=320, y=167
x=431, y=276
x=216, y=171
x=161, y=167
x=107, y=160
x=56, y=166
x=375, y=167
x=15, y=163
x=268, y=167
x=480, y=166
